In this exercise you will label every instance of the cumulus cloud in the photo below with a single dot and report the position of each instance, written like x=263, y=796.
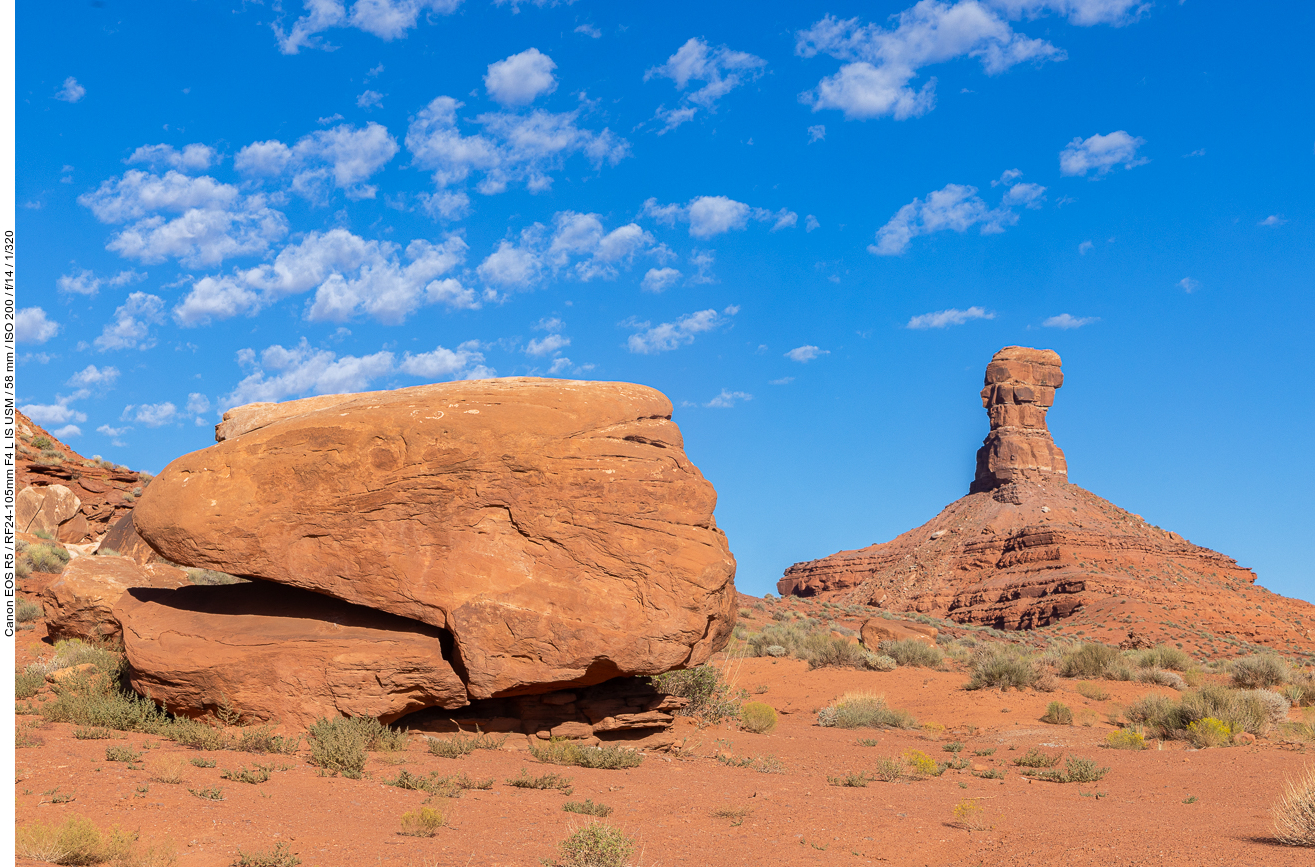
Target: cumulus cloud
x=197, y=403
x=85, y=282
x=880, y=64
x=1083, y=13
x=93, y=375
x=1084, y=247
x=1067, y=321
x=720, y=70
x=387, y=19
x=31, y=325
x=464, y=362
x=672, y=335
x=715, y=215
x=112, y=431
x=130, y=328
x=369, y=99
x=549, y=344
x=726, y=399
x=816, y=133
x=71, y=91
x=68, y=430
x=192, y=158
x=577, y=242
x=1273, y=220
x=589, y=30
x=946, y=318
x=342, y=157
x=955, y=207
x=806, y=353
x=150, y=414
x=521, y=78
x=659, y=279
x=55, y=413
x=1101, y=154
x=513, y=148
x=1189, y=285
x=350, y=275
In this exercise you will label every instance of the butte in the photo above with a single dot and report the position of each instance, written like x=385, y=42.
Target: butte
x=1026, y=549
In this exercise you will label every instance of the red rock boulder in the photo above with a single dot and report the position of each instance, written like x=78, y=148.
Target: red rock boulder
x=80, y=602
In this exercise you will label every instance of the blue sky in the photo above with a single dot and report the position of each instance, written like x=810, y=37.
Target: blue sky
x=810, y=226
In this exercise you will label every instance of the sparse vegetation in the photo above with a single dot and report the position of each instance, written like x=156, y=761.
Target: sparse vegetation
x=1125, y=739
x=168, y=768
x=920, y=765
x=1089, y=660
x=26, y=610
x=711, y=699
x=209, y=577
x=203, y=763
x=1075, y=771
x=968, y=815
x=279, y=856
x=563, y=752
x=122, y=754
x=757, y=717
x=864, y=710
x=911, y=651
x=50, y=558
x=595, y=845
x=1251, y=711
x=77, y=841
x=1004, y=667
x=1092, y=691
x=422, y=822
x=461, y=744
x=338, y=746
x=1163, y=656
x=543, y=781
x=1259, y=671
x=1209, y=732
x=1035, y=758
x=1294, y=813
x=242, y=774
x=1059, y=714
x=587, y=808
x=850, y=779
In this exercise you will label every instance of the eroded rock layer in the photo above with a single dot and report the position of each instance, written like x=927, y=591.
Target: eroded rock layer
x=554, y=529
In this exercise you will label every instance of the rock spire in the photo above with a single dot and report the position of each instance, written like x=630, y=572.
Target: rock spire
x=1020, y=388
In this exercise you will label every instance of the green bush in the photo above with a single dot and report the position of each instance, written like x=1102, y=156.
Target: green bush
x=587, y=808
x=1161, y=677
x=1163, y=656
x=1089, y=660
x=757, y=717
x=41, y=442
x=864, y=710
x=1076, y=771
x=710, y=698
x=49, y=558
x=1035, y=758
x=77, y=841
x=1059, y=714
x=1003, y=666
x=28, y=683
x=122, y=754
x=595, y=845
x=850, y=779
x=1259, y=671
x=423, y=822
x=912, y=652
x=461, y=744
x=338, y=746
x=26, y=611
x=242, y=774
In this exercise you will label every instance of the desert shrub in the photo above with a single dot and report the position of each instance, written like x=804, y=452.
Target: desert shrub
x=279, y=856
x=210, y=578
x=1248, y=711
x=338, y=746
x=1035, y=758
x=889, y=770
x=1163, y=656
x=122, y=754
x=423, y=822
x=1209, y=732
x=461, y=744
x=92, y=702
x=1259, y=671
x=198, y=735
x=1274, y=705
x=968, y=815
x=843, y=653
x=1003, y=666
x=1160, y=677
x=1125, y=739
x=711, y=699
x=168, y=768
x=811, y=640
x=48, y=558
x=1294, y=813
x=242, y=774
x=202, y=763
x=1294, y=693
x=41, y=442
x=1075, y=771
x=28, y=683
x=261, y=739
x=910, y=651
x=26, y=611
x=595, y=845
x=757, y=717
x=587, y=808
x=919, y=764
x=563, y=752
x=78, y=841
x=864, y=710
x=1089, y=660
x=1092, y=691
x=850, y=779
x=94, y=734
x=543, y=781
x=1059, y=714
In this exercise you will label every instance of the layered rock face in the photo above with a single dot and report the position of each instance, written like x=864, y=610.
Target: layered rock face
x=552, y=534
x=80, y=602
x=1025, y=548
x=1020, y=388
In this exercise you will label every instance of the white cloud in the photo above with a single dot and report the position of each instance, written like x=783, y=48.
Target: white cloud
x=575, y=238
x=715, y=215
x=880, y=64
x=85, y=282
x=130, y=328
x=659, y=279
x=589, y=30
x=785, y=380
x=53, y=413
x=672, y=335
x=945, y=318
x=955, y=207
x=811, y=223
x=702, y=260
x=387, y=19
x=192, y=158
x=1199, y=152
x=1189, y=285
x=343, y=157
x=1083, y=13
x=139, y=193
x=805, y=354
x=1101, y=154
x=151, y=414
x=68, y=430
x=349, y=274
x=521, y=78
x=197, y=403
x=726, y=399
x=31, y=325
x=511, y=266
x=93, y=375
x=721, y=70
x=549, y=344
x=1067, y=321
x=112, y=431
x=1084, y=247
x=370, y=99
x=444, y=205
x=1273, y=220
x=513, y=148
x=71, y=91
x=816, y=133
x=465, y=362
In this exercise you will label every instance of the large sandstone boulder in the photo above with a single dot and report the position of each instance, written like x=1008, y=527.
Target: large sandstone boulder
x=279, y=654
x=554, y=529
x=122, y=539
x=51, y=509
x=80, y=602
x=878, y=629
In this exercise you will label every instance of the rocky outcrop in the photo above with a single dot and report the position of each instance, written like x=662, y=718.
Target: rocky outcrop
x=1027, y=549
x=878, y=629
x=1020, y=388
x=279, y=654
x=50, y=509
x=122, y=539
x=80, y=602
x=552, y=534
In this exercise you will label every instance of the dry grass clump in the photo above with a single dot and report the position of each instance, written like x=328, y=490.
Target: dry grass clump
x=461, y=744
x=1092, y=691
x=422, y=822
x=864, y=710
x=1259, y=671
x=168, y=768
x=1076, y=770
x=211, y=578
x=587, y=807
x=1294, y=813
x=595, y=845
x=338, y=746
x=1090, y=660
x=757, y=717
x=543, y=781
x=1251, y=711
x=1004, y=666
x=77, y=841
x=912, y=652
x=279, y=856
x=1162, y=656
x=1059, y=714
x=564, y=752
x=1160, y=677
x=812, y=641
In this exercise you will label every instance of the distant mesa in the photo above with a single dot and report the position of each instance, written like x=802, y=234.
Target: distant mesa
x=1026, y=549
